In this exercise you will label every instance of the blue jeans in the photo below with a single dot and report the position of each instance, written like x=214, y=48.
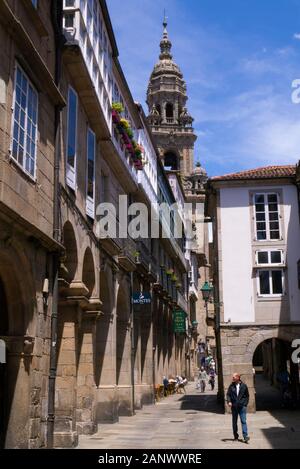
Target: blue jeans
x=242, y=412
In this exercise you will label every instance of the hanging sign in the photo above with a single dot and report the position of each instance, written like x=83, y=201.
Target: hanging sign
x=179, y=321
x=141, y=298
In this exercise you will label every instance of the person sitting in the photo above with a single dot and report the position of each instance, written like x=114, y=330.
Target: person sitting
x=166, y=384
x=181, y=384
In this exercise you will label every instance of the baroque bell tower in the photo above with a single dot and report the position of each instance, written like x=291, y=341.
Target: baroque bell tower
x=169, y=119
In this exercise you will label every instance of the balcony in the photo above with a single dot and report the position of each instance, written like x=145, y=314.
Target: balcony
x=144, y=258
x=111, y=244
x=127, y=258
x=87, y=62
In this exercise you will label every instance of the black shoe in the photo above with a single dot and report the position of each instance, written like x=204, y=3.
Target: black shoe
x=246, y=439
x=236, y=437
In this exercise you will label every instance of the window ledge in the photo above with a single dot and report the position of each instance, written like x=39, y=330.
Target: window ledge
x=271, y=298
x=22, y=171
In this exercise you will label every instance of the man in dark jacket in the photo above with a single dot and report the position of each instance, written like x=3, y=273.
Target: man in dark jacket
x=238, y=399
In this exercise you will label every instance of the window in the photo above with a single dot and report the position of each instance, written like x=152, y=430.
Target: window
x=72, y=134
x=269, y=257
x=34, y=3
x=267, y=217
x=91, y=150
x=24, y=130
x=270, y=282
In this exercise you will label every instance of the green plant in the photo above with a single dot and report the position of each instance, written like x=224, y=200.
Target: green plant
x=169, y=272
x=124, y=123
x=129, y=132
x=118, y=107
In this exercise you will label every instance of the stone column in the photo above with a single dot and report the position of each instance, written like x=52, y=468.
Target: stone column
x=85, y=421
x=146, y=355
x=106, y=409
x=65, y=434
x=137, y=356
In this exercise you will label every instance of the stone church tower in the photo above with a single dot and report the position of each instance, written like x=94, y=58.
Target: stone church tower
x=169, y=119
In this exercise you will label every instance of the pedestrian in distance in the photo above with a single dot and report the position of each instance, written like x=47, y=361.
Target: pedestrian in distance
x=237, y=400
x=212, y=378
x=202, y=378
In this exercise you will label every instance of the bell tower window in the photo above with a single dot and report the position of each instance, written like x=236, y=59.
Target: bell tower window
x=169, y=112
x=171, y=162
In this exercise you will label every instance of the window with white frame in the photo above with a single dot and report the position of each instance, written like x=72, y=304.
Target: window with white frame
x=270, y=257
x=91, y=154
x=72, y=138
x=270, y=282
x=24, y=129
x=267, y=216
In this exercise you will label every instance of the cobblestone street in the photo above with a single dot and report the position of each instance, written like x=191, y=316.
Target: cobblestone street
x=194, y=421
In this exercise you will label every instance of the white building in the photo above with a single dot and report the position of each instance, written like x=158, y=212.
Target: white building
x=256, y=248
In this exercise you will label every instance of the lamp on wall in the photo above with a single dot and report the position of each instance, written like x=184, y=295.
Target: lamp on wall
x=206, y=292
x=46, y=291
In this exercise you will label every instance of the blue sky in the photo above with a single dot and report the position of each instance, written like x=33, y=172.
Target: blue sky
x=239, y=59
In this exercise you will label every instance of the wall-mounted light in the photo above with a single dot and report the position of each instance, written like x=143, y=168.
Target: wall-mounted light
x=46, y=291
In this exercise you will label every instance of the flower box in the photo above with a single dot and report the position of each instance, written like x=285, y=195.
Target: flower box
x=115, y=117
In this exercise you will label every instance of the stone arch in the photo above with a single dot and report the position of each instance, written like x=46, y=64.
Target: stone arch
x=18, y=302
x=71, y=254
x=18, y=289
x=261, y=336
x=88, y=271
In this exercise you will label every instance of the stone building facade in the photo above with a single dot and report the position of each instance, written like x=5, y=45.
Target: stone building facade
x=79, y=352
x=28, y=100
x=256, y=256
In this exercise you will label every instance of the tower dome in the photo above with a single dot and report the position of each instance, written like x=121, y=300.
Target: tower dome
x=170, y=121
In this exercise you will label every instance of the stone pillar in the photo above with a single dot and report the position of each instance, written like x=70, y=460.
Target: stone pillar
x=137, y=356
x=164, y=113
x=85, y=421
x=18, y=389
x=176, y=111
x=160, y=370
x=65, y=434
x=106, y=409
x=146, y=355
x=235, y=360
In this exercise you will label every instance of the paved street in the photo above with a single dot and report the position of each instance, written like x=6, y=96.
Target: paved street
x=194, y=421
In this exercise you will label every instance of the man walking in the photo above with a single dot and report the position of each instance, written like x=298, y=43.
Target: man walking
x=238, y=399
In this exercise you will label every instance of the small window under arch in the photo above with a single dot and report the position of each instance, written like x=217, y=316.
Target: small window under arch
x=171, y=161
x=169, y=111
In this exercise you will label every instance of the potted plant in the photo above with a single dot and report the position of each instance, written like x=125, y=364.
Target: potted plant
x=124, y=123
x=137, y=257
x=118, y=107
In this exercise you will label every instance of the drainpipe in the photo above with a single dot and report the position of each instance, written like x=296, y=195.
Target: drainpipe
x=56, y=14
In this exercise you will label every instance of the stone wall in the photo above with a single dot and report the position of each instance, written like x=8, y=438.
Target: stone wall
x=238, y=345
